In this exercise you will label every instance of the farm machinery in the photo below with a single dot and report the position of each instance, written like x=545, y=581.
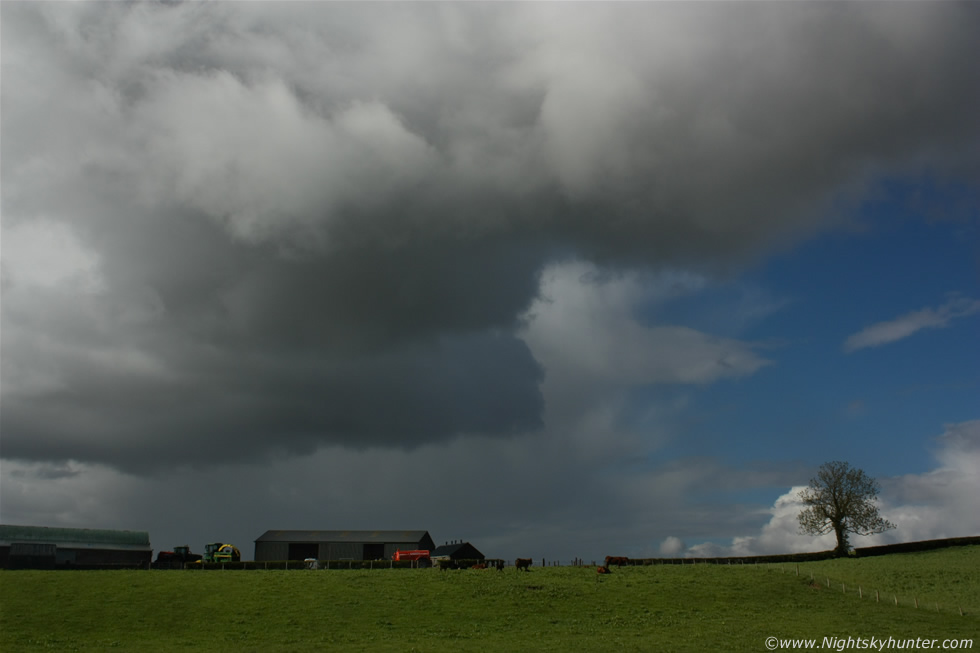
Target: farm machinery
x=419, y=557
x=220, y=552
x=176, y=559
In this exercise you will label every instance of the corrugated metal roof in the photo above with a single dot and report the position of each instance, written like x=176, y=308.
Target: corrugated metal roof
x=11, y=533
x=342, y=536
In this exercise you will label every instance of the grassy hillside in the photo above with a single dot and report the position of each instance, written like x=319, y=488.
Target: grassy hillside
x=675, y=608
x=949, y=577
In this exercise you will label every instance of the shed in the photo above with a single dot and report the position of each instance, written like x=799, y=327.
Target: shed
x=338, y=545
x=42, y=546
x=457, y=551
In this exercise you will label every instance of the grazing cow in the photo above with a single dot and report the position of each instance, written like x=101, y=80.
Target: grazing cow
x=602, y=570
x=619, y=561
x=523, y=563
x=479, y=566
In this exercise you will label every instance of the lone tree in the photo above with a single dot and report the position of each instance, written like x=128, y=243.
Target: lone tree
x=843, y=500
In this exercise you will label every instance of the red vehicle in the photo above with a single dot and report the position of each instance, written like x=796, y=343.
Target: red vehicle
x=420, y=556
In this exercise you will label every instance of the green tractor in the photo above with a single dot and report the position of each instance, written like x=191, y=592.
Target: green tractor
x=220, y=552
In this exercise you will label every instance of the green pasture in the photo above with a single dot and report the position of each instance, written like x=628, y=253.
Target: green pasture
x=655, y=608
x=947, y=577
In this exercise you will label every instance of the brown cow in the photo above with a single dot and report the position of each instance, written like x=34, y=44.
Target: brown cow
x=479, y=566
x=602, y=570
x=523, y=563
x=619, y=561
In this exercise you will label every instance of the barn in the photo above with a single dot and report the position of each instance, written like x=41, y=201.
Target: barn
x=338, y=545
x=46, y=547
x=457, y=551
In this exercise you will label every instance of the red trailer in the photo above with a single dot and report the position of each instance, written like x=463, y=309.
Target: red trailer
x=418, y=556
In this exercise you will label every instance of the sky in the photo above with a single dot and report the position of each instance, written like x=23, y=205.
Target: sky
x=563, y=280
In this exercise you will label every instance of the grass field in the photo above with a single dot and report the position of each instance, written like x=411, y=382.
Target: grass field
x=656, y=608
x=948, y=577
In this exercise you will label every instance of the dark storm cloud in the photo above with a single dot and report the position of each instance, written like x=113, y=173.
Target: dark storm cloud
x=223, y=404
x=324, y=222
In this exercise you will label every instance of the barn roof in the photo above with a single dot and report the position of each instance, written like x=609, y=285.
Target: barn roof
x=452, y=550
x=343, y=536
x=74, y=537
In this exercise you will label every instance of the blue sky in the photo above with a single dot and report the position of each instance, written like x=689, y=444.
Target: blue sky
x=877, y=404
x=560, y=279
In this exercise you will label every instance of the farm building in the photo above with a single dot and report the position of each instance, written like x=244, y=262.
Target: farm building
x=457, y=551
x=44, y=547
x=338, y=545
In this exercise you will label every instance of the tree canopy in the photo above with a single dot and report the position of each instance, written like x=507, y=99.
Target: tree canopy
x=844, y=500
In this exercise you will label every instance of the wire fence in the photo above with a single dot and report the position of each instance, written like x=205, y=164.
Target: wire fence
x=873, y=592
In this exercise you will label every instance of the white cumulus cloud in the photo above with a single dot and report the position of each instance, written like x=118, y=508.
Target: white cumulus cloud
x=937, y=504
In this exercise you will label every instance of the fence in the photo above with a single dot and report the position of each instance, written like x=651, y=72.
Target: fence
x=303, y=564
x=823, y=580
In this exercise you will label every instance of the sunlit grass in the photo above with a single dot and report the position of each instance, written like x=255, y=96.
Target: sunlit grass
x=947, y=577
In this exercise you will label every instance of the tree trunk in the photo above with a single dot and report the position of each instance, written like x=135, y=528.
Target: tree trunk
x=842, y=544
